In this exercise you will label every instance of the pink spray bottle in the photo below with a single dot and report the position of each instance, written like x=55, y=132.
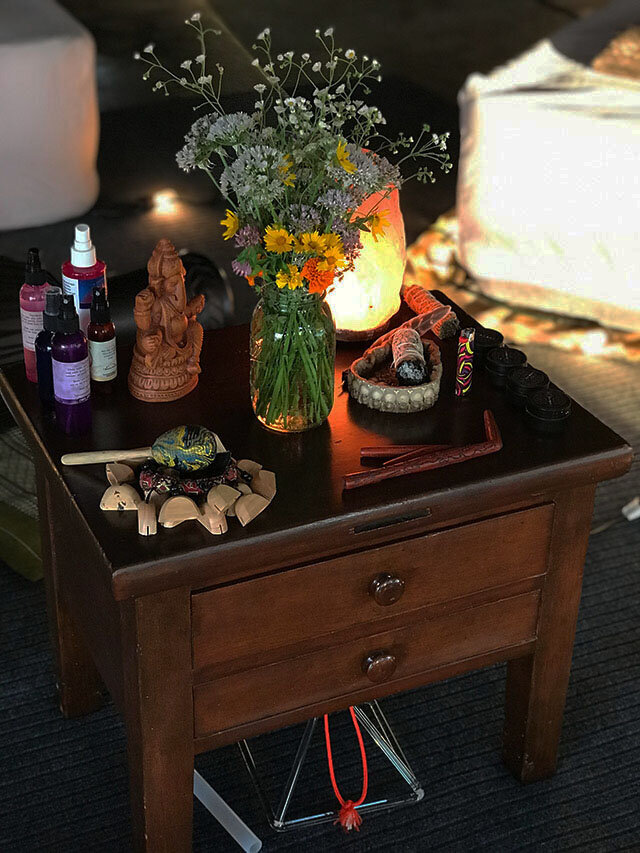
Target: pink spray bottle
x=82, y=273
x=32, y=301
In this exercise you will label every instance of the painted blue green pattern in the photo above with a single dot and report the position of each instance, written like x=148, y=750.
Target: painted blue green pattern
x=187, y=448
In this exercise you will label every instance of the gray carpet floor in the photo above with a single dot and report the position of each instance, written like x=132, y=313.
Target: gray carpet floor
x=63, y=784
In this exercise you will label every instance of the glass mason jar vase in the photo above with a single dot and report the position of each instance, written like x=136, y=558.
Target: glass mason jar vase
x=292, y=351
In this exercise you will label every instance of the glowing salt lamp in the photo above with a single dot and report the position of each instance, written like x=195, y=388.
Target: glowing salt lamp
x=369, y=295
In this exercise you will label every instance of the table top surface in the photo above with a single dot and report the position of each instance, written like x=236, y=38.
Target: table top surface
x=309, y=466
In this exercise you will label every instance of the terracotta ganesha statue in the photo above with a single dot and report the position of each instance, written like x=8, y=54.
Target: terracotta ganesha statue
x=166, y=356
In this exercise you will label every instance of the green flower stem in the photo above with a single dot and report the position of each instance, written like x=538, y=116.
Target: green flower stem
x=292, y=360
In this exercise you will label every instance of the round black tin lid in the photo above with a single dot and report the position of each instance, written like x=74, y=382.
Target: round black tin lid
x=502, y=359
x=523, y=380
x=488, y=338
x=549, y=404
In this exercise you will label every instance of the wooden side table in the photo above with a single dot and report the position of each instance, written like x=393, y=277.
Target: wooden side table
x=203, y=641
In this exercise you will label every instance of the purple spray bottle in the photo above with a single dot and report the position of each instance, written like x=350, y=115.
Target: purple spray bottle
x=71, y=371
x=43, y=345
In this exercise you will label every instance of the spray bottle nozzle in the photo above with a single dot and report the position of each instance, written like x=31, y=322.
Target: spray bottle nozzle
x=67, y=317
x=83, y=253
x=33, y=260
x=33, y=272
x=51, y=309
x=82, y=236
x=100, y=306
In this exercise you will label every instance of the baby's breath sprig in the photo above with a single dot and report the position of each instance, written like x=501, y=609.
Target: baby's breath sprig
x=308, y=156
x=199, y=82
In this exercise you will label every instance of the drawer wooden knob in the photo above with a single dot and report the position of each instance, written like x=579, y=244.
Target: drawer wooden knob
x=379, y=666
x=386, y=589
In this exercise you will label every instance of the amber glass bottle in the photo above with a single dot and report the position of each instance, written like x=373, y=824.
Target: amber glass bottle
x=101, y=335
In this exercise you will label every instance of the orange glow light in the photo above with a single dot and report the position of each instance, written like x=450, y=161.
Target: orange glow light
x=165, y=202
x=369, y=295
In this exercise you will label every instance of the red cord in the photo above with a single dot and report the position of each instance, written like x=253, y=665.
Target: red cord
x=348, y=816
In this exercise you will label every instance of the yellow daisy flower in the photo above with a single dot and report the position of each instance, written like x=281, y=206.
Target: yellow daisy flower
x=277, y=239
x=291, y=279
x=343, y=158
x=288, y=177
x=333, y=241
x=313, y=243
x=332, y=258
x=377, y=223
x=333, y=254
x=231, y=223
x=295, y=278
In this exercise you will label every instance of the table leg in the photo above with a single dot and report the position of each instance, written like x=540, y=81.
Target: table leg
x=78, y=681
x=537, y=684
x=158, y=710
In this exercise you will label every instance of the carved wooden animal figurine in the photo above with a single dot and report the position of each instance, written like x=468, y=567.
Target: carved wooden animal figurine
x=166, y=356
x=119, y=473
x=264, y=484
x=120, y=497
x=248, y=506
x=214, y=520
x=125, y=497
x=176, y=510
x=245, y=502
x=147, y=519
x=222, y=497
x=182, y=508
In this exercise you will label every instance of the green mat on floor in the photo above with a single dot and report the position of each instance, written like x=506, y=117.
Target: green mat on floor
x=20, y=542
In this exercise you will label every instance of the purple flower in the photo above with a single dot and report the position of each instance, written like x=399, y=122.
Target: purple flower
x=241, y=267
x=337, y=201
x=303, y=217
x=248, y=235
x=350, y=239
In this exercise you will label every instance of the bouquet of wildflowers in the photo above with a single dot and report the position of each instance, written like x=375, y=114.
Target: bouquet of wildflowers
x=295, y=173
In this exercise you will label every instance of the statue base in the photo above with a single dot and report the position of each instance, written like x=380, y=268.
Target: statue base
x=159, y=387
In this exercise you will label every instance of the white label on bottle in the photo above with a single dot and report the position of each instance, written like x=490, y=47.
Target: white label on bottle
x=82, y=289
x=31, y=326
x=103, y=360
x=71, y=380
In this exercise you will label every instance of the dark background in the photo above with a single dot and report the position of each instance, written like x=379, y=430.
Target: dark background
x=427, y=49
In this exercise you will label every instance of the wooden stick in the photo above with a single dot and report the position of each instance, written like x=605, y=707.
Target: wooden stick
x=428, y=461
x=387, y=452
x=86, y=458
x=418, y=453
x=415, y=454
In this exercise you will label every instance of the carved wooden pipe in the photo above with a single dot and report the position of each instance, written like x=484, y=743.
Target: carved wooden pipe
x=418, y=453
x=393, y=451
x=430, y=460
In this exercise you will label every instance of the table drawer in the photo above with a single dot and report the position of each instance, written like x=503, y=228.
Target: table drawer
x=283, y=609
x=336, y=671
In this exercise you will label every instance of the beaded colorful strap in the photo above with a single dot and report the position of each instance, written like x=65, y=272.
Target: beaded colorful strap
x=464, y=366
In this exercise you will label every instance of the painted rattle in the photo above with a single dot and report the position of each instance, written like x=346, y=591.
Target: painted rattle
x=187, y=448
